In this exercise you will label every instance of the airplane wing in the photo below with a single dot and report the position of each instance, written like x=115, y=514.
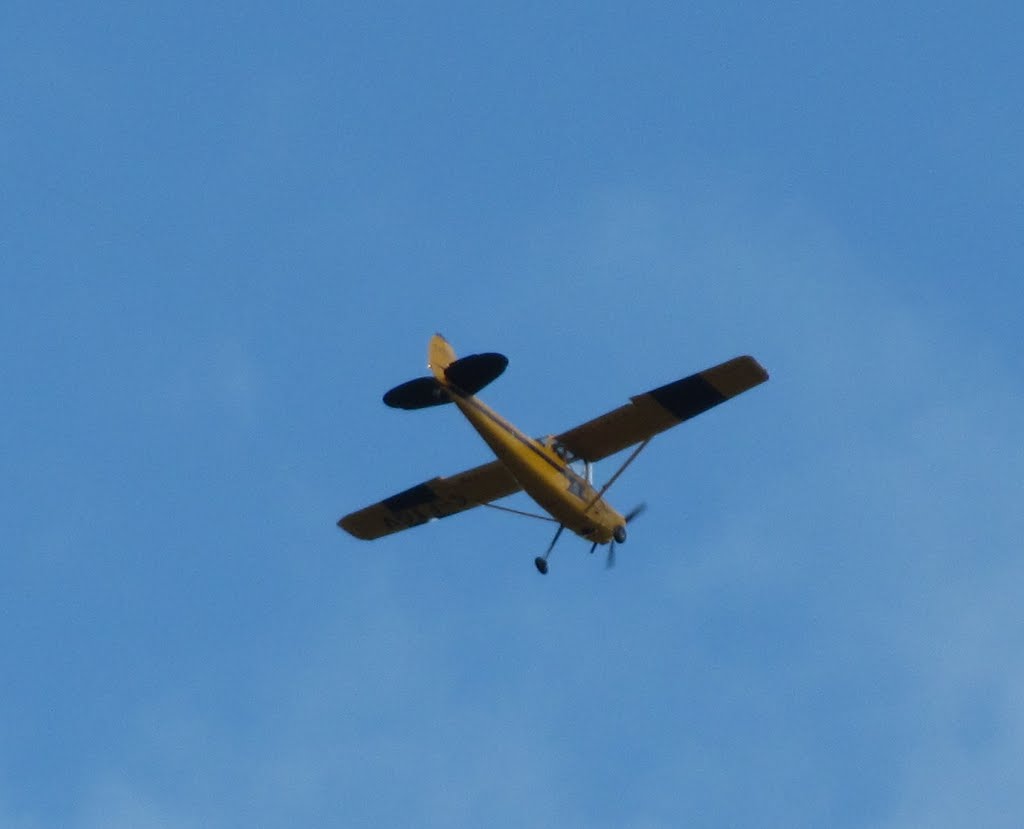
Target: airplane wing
x=436, y=498
x=662, y=408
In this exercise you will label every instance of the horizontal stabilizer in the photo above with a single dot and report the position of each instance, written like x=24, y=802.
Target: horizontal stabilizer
x=417, y=394
x=472, y=373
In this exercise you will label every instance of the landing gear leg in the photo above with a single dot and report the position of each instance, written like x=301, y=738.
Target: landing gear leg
x=541, y=562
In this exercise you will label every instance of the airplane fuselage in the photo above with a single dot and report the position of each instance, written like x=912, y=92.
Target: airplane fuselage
x=545, y=476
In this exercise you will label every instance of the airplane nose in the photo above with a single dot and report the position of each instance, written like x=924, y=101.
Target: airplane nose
x=620, y=534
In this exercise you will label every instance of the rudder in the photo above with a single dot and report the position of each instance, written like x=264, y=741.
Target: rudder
x=440, y=355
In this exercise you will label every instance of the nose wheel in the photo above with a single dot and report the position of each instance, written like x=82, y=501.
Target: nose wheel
x=542, y=565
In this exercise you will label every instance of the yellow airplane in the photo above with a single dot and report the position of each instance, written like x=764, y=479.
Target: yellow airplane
x=546, y=469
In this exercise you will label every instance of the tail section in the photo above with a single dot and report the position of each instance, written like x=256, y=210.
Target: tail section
x=440, y=355
x=450, y=376
x=420, y=393
x=472, y=373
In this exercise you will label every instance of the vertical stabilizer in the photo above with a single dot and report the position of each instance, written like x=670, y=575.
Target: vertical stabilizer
x=440, y=355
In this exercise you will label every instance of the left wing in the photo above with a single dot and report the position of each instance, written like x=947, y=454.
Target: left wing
x=436, y=498
x=662, y=408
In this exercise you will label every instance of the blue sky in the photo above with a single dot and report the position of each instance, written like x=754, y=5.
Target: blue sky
x=226, y=232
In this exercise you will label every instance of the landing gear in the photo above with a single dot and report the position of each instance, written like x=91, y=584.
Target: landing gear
x=541, y=562
x=618, y=537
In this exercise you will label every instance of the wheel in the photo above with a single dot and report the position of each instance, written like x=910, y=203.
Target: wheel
x=542, y=565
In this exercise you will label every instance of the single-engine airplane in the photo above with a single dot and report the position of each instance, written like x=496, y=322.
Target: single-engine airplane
x=548, y=469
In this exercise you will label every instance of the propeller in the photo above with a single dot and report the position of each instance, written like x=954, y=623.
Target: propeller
x=620, y=534
x=633, y=513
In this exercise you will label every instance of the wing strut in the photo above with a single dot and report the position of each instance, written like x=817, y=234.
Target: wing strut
x=521, y=512
x=618, y=472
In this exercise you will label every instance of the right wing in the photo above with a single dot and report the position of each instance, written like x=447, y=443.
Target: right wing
x=662, y=408
x=436, y=498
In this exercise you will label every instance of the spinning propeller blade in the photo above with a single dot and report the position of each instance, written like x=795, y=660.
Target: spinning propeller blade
x=639, y=509
x=629, y=516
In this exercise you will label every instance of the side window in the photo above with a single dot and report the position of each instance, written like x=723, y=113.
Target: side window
x=562, y=451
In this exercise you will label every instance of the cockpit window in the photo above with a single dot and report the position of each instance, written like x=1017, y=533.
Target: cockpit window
x=559, y=448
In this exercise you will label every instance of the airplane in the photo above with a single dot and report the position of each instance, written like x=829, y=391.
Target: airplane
x=556, y=471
